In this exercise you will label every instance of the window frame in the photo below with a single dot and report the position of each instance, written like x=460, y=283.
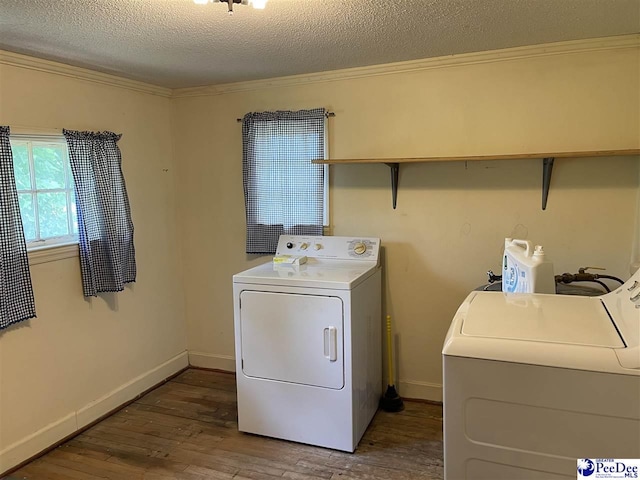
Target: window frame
x=325, y=198
x=39, y=243
x=325, y=186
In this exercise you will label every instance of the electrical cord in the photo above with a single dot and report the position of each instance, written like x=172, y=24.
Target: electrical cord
x=604, y=285
x=610, y=277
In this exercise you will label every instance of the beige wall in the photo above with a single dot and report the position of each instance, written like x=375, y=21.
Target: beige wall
x=80, y=356
x=452, y=218
x=61, y=370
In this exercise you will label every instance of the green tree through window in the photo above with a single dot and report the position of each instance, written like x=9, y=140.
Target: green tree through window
x=45, y=190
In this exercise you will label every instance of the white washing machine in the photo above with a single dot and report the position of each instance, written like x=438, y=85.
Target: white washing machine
x=308, y=342
x=534, y=382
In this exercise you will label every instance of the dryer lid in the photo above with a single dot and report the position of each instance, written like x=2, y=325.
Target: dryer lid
x=330, y=274
x=541, y=318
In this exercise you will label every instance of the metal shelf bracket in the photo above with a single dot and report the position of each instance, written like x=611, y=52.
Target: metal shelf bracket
x=547, y=168
x=395, y=168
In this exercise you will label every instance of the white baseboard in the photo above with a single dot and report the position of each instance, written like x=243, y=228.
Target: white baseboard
x=208, y=360
x=420, y=390
x=37, y=442
x=44, y=438
x=124, y=393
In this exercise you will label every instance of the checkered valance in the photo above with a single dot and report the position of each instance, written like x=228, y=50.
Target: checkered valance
x=105, y=229
x=16, y=292
x=283, y=190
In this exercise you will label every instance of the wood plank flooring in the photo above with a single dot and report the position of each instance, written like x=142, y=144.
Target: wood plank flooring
x=187, y=429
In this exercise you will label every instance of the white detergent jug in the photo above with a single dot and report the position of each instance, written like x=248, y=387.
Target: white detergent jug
x=525, y=268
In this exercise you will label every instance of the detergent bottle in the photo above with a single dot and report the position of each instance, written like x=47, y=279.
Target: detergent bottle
x=526, y=269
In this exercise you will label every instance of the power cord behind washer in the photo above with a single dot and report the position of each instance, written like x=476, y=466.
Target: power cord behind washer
x=583, y=276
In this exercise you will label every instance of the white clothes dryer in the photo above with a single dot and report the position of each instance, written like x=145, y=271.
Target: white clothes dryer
x=534, y=382
x=308, y=342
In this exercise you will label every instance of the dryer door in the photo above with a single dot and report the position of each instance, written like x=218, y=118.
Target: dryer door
x=292, y=338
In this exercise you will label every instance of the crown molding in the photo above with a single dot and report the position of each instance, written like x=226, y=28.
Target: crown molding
x=508, y=54
x=56, y=68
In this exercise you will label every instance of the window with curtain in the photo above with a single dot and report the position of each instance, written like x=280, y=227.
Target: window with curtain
x=284, y=192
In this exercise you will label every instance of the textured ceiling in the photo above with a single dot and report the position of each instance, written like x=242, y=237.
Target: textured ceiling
x=175, y=43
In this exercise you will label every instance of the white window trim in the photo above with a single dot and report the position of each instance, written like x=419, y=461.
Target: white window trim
x=53, y=253
x=51, y=242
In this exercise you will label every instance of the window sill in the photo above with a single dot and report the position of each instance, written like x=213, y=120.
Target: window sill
x=52, y=253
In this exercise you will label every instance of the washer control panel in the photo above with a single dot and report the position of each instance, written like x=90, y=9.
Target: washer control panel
x=329, y=247
x=623, y=307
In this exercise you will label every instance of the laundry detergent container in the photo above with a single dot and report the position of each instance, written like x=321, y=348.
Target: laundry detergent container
x=526, y=269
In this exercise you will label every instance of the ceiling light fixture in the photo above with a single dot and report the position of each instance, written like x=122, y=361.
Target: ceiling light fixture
x=259, y=4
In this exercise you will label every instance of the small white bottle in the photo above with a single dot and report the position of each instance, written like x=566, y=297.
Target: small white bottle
x=543, y=278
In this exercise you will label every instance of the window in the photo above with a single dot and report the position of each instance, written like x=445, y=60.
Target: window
x=294, y=183
x=45, y=190
x=284, y=192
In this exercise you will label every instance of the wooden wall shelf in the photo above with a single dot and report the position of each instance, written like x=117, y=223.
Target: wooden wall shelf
x=547, y=163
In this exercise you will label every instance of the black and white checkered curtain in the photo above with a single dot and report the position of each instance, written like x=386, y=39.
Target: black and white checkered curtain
x=16, y=291
x=107, y=254
x=283, y=190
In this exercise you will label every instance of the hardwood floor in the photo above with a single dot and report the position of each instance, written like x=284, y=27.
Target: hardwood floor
x=187, y=429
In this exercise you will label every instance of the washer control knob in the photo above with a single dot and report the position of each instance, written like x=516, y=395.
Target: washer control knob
x=359, y=248
x=289, y=245
x=317, y=246
x=304, y=246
